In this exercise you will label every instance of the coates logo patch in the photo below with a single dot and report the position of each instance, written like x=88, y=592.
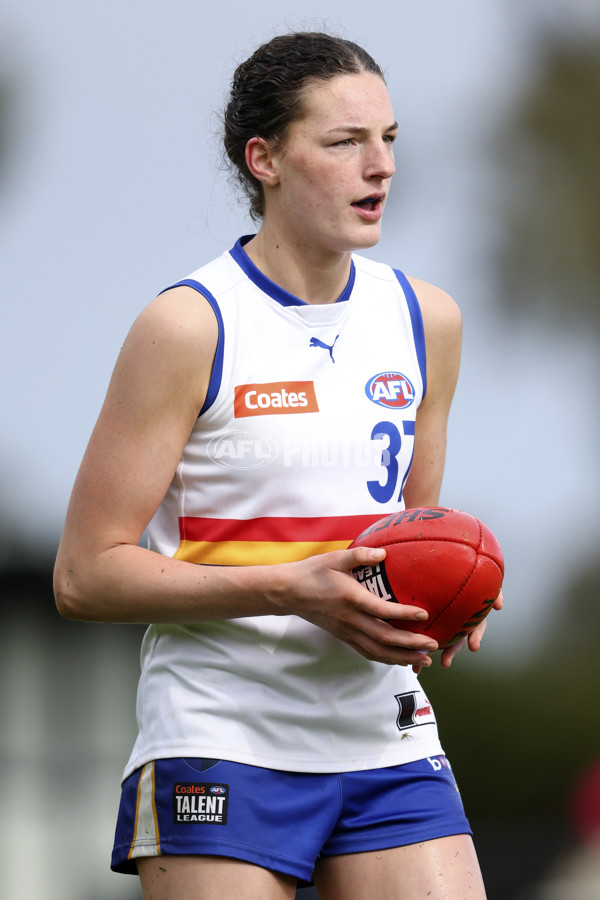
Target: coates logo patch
x=275, y=398
x=390, y=389
x=200, y=802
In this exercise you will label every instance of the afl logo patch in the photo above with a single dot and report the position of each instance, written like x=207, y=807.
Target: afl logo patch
x=242, y=450
x=390, y=389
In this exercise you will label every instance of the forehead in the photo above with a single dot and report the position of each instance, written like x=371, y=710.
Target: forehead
x=358, y=99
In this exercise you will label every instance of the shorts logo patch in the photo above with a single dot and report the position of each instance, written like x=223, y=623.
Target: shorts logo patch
x=195, y=802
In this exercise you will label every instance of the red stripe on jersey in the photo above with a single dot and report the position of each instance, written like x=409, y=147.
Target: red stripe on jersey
x=275, y=528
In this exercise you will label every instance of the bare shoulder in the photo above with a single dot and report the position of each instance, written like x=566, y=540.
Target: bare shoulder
x=442, y=322
x=180, y=317
x=177, y=331
x=166, y=358
x=438, y=308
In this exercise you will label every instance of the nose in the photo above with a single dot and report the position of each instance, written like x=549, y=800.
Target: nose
x=380, y=160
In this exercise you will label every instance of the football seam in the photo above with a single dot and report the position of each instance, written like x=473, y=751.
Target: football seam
x=463, y=586
x=467, y=579
x=456, y=596
x=428, y=540
x=433, y=539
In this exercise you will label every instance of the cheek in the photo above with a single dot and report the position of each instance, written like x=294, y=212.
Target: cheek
x=314, y=187
x=308, y=193
x=328, y=188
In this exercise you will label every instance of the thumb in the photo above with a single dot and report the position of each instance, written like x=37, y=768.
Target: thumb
x=364, y=556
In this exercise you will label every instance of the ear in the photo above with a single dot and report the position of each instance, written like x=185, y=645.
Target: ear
x=260, y=159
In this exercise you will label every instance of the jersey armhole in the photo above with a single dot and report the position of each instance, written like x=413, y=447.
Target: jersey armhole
x=217, y=367
x=416, y=319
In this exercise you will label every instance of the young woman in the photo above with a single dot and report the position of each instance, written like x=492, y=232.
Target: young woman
x=261, y=414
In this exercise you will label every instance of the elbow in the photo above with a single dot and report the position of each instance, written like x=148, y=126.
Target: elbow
x=69, y=601
x=67, y=609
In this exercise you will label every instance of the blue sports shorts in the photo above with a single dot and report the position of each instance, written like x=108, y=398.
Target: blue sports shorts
x=281, y=820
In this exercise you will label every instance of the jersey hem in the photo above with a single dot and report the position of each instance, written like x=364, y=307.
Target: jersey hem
x=314, y=766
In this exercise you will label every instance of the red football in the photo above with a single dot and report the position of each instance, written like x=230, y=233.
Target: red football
x=443, y=560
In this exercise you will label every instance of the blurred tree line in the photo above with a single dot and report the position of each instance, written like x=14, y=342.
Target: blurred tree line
x=517, y=736
x=520, y=736
x=12, y=83
x=549, y=260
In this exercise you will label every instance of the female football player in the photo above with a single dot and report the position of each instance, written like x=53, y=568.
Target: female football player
x=262, y=413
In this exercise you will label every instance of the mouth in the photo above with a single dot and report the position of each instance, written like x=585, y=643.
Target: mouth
x=372, y=205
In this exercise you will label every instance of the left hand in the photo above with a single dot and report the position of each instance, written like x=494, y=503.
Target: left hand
x=473, y=640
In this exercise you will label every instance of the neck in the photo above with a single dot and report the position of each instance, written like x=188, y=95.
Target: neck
x=312, y=276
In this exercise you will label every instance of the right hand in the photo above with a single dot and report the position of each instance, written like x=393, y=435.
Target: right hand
x=322, y=590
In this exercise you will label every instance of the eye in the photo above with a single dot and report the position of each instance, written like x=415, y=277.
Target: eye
x=346, y=142
x=389, y=138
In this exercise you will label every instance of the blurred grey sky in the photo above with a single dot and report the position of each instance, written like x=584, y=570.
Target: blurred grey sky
x=114, y=188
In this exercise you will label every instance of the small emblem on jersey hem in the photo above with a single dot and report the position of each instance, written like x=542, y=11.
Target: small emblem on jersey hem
x=410, y=712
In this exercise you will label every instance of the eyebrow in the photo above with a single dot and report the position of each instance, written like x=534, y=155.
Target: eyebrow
x=358, y=129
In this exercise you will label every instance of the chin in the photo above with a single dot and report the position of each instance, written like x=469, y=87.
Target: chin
x=357, y=239
x=369, y=238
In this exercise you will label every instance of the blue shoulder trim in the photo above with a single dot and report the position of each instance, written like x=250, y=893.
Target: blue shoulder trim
x=217, y=369
x=417, y=324
x=273, y=290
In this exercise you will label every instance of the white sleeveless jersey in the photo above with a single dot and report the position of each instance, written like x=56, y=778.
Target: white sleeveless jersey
x=306, y=438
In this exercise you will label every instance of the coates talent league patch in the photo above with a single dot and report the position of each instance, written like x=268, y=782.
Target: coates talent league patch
x=195, y=802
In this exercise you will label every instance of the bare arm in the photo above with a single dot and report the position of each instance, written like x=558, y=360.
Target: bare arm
x=443, y=331
x=101, y=574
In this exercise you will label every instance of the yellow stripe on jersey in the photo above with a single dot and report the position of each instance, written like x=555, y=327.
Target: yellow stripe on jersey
x=253, y=553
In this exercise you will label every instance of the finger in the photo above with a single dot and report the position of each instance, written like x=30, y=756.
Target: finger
x=397, y=637
x=375, y=652
x=370, y=602
x=399, y=611
x=382, y=642
x=425, y=661
x=361, y=556
x=387, y=610
x=359, y=621
x=499, y=601
x=476, y=637
x=448, y=653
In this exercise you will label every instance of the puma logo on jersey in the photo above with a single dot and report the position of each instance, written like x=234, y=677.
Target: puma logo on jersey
x=315, y=342
x=274, y=398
